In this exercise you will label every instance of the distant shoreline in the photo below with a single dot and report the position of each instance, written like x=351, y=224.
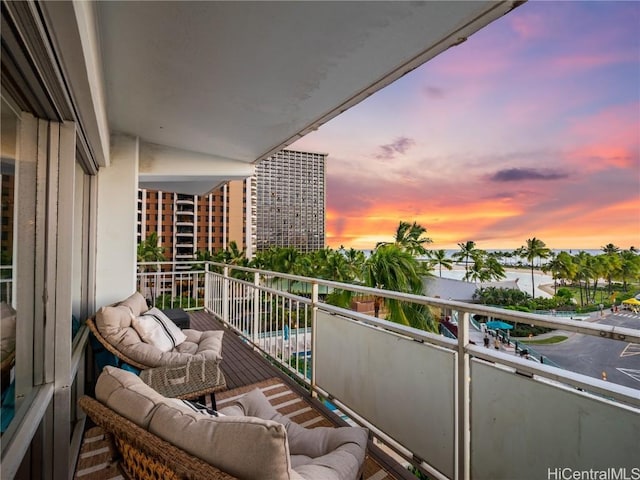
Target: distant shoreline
x=525, y=270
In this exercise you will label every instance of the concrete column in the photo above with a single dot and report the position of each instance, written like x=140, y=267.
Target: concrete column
x=117, y=212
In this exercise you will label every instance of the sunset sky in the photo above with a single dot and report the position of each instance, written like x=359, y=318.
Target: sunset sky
x=531, y=128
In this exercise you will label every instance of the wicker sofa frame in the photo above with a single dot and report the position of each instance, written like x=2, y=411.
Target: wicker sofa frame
x=143, y=455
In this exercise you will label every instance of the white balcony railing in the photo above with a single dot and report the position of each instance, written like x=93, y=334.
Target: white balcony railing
x=456, y=409
x=172, y=284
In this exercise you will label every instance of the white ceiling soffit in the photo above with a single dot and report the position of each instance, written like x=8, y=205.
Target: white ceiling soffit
x=174, y=170
x=242, y=80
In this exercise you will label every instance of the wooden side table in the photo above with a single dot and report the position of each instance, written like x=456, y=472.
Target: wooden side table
x=193, y=380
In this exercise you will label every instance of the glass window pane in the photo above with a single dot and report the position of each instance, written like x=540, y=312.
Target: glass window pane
x=9, y=129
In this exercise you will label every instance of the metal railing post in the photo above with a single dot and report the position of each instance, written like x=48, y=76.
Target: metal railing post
x=207, y=286
x=463, y=432
x=314, y=330
x=225, y=295
x=256, y=308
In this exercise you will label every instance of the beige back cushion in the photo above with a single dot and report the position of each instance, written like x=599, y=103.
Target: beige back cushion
x=126, y=394
x=245, y=447
x=136, y=303
x=110, y=320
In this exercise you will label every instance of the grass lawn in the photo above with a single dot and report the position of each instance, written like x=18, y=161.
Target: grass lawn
x=546, y=341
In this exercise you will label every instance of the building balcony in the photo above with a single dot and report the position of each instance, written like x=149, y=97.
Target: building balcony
x=444, y=405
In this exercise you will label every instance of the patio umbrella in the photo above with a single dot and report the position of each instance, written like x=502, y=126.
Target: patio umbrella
x=632, y=301
x=498, y=325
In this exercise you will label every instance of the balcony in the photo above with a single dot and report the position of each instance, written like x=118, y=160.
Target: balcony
x=77, y=99
x=445, y=405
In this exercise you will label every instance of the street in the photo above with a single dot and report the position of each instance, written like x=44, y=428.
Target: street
x=618, y=361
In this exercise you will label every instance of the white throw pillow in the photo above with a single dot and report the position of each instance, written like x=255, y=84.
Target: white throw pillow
x=156, y=329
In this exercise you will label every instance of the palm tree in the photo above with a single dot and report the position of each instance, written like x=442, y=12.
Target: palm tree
x=611, y=263
x=345, y=267
x=610, y=249
x=584, y=273
x=484, y=268
x=149, y=251
x=630, y=267
x=477, y=272
x=409, y=237
x=495, y=270
x=393, y=268
x=466, y=252
x=202, y=257
x=439, y=258
x=562, y=267
x=534, y=248
x=355, y=261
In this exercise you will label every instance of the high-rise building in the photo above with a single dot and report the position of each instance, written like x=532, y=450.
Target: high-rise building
x=290, y=199
x=283, y=205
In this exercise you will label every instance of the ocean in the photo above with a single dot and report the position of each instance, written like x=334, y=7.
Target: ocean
x=572, y=251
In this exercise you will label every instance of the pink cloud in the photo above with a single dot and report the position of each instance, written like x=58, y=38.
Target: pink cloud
x=576, y=62
x=529, y=26
x=610, y=137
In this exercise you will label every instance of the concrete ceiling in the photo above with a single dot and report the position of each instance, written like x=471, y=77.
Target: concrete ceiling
x=241, y=80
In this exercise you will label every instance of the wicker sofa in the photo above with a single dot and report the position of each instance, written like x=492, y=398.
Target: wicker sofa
x=160, y=437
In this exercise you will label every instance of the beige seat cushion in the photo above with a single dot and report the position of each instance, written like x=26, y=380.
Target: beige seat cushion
x=205, y=345
x=320, y=453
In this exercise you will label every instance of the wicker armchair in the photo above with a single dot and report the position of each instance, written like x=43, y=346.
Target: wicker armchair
x=194, y=378
x=145, y=456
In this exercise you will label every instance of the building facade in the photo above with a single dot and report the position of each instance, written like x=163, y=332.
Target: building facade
x=188, y=223
x=282, y=205
x=290, y=199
